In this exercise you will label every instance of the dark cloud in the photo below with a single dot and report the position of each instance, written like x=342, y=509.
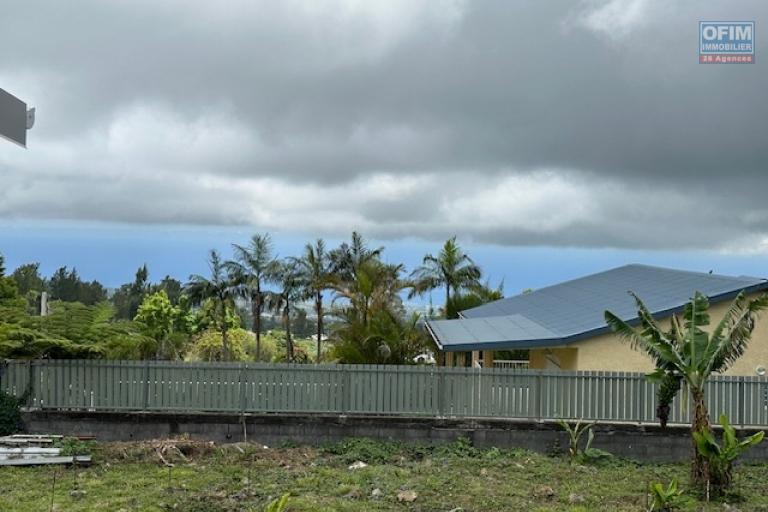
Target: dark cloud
x=401, y=118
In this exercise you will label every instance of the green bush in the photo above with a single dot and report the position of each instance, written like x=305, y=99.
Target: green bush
x=209, y=345
x=10, y=414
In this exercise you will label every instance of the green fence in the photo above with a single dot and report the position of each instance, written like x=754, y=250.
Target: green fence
x=95, y=385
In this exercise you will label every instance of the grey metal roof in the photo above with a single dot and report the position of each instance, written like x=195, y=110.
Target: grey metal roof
x=573, y=310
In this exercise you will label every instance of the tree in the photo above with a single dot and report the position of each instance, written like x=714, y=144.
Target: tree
x=475, y=296
x=281, y=301
x=253, y=268
x=347, y=258
x=157, y=316
x=130, y=295
x=689, y=355
x=376, y=286
x=2, y=265
x=315, y=275
x=172, y=287
x=68, y=287
x=220, y=289
x=452, y=268
x=28, y=278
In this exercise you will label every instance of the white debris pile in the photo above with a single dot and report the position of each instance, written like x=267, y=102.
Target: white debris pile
x=31, y=450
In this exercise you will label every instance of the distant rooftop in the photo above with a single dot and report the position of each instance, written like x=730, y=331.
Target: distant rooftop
x=574, y=310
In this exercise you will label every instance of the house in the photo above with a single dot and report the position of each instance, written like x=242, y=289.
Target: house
x=563, y=325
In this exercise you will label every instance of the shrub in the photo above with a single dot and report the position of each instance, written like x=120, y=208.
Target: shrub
x=10, y=414
x=209, y=345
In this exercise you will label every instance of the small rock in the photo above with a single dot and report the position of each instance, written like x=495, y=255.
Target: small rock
x=519, y=466
x=377, y=493
x=457, y=509
x=730, y=508
x=483, y=472
x=357, y=465
x=574, y=498
x=244, y=481
x=407, y=496
x=543, y=491
x=354, y=494
x=77, y=494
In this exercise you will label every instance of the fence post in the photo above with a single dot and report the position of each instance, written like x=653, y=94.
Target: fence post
x=643, y=398
x=441, y=391
x=30, y=383
x=539, y=402
x=345, y=389
x=741, y=401
x=146, y=386
x=241, y=381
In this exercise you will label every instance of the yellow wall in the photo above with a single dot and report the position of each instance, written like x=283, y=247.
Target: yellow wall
x=607, y=352
x=553, y=359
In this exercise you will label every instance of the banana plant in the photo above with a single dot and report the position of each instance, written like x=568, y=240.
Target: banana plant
x=279, y=504
x=722, y=456
x=666, y=498
x=686, y=355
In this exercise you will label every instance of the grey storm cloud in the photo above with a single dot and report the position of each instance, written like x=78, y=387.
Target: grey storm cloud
x=559, y=123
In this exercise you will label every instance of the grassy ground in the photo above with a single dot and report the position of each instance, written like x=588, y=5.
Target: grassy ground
x=132, y=476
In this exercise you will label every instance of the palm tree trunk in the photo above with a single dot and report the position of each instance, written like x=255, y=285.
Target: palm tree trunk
x=700, y=468
x=256, y=325
x=319, y=312
x=447, y=298
x=288, y=340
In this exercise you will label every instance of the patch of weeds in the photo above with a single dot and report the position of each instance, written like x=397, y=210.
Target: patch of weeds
x=367, y=450
x=71, y=446
x=461, y=447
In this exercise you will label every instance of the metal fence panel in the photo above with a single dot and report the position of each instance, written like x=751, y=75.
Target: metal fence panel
x=99, y=385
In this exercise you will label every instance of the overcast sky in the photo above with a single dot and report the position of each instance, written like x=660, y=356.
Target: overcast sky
x=587, y=124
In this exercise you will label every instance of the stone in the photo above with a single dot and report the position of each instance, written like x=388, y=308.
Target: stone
x=354, y=494
x=574, y=498
x=77, y=494
x=377, y=493
x=543, y=491
x=483, y=472
x=407, y=496
x=357, y=465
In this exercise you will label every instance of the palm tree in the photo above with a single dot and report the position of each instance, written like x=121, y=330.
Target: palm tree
x=348, y=257
x=220, y=289
x=376, y=286
x=451, y=268
x=689, y=355
x=315, y=275
x=280, y=302
x=478, y=295
x=254, y=267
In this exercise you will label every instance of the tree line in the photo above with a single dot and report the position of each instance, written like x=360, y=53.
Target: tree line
x=250, y=306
